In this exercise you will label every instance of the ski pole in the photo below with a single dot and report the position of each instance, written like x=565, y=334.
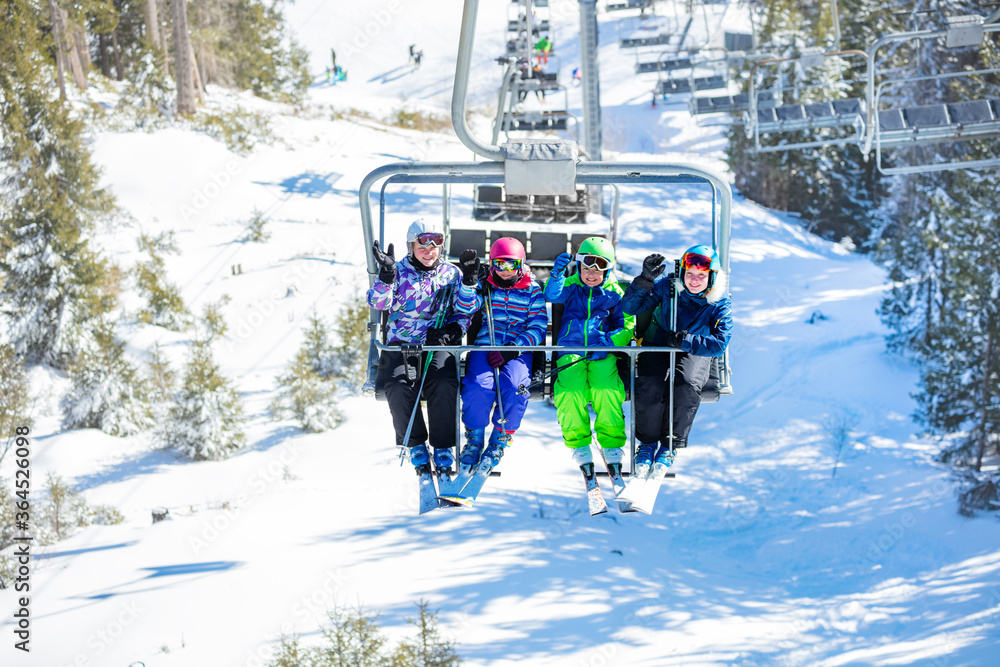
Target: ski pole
x=496, y=371
x=542, y=377
x=673, y=355
x=445, y=294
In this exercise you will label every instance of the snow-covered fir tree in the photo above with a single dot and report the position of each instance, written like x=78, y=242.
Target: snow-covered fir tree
x=206, y=420
x=164, y=305
x=307, y=391
x=108, y=391
x=49, y=200
x=16, y=400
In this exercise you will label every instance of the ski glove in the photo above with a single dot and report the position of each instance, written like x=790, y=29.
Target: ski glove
x=652, y=267
x=498, y=358
x=450, y=334
x=387, y=263
x=559, y=266
x=675, y=338
x=468, y=261
x=598, y=338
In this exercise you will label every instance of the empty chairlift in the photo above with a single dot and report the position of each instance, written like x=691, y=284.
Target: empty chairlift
x=620, y=5
x=956, y=121
x=771, y=112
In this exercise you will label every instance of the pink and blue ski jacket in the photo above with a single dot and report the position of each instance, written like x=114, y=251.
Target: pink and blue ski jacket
x=519, y=316
x=412, y=303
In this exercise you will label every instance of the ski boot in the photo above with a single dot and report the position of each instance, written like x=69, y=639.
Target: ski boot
x=444, y=460
x=420, y=458
x=499, y=441
x=664, y=459
x=643, y=460
x=473, y=449
x=582, y=456
x=613, y=460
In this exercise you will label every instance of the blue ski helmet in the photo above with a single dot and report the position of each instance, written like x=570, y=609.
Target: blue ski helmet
x=701, y=257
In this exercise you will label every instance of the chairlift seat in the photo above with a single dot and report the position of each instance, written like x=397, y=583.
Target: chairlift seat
x=794, y=117
x=463, y=239
x=628, y=4
x=939, y=122
x=546, y=245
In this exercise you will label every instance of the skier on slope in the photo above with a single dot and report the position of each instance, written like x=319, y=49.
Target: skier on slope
x=518, y=318
x=592, y=315
x=412, y=290
x=704, y=327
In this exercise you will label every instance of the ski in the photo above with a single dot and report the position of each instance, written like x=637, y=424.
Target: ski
x=617, y=483
x=467, y=496
x=595, y=501
x=428, y=494
x=645, y=499
x=453, y=487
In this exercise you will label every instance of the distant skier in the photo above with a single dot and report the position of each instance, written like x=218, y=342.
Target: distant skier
x=517, y=317
x=413, y=290
x=704, y=327
x=542, y=49
x=592, y=315
x=333, y=59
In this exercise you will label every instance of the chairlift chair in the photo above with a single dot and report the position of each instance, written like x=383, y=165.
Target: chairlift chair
x=621, y=5
x=768, y=113
x=520, y=172
x=956, y=121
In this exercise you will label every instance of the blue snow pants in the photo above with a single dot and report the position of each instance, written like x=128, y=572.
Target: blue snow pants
x=479, y=395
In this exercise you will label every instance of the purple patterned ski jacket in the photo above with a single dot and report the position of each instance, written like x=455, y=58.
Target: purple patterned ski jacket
x=410, y=300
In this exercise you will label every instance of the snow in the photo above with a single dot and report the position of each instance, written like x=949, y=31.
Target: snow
x=808, y=524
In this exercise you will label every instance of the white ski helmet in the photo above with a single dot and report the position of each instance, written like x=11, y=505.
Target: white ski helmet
x=422, y=226
x=417, y=228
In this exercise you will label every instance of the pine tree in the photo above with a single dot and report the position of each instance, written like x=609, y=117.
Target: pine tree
x=354, y=640
x=206, y=421
x=429, y=649
x=308, y=396
x=16, y=400
x=49, y=200
x=108, y=392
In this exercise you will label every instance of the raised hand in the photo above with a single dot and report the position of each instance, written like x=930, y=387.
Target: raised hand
x=559, y=266
x=387, y=263
x=652, y=267
x=468, y=262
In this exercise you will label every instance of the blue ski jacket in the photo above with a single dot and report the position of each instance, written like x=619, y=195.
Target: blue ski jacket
x=708, y=318
x=592, y=315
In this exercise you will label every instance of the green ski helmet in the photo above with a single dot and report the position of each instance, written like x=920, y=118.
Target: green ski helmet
x=595, y=249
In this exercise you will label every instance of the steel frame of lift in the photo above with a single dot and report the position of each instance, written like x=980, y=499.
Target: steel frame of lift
x=496, y=169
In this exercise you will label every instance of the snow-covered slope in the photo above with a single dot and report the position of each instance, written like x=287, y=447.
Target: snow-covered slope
x=807, y=524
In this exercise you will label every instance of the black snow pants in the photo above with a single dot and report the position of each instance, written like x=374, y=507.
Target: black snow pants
x=652, y=422
x=440, y=392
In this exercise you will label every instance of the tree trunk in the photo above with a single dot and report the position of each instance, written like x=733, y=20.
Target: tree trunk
x=82, y=48
x=984, y=398
x=154, y=39
x=199, y=87
x=183, y=62
x=55, y=17
x=102, y=45
x=70, y=52
x=119, y=74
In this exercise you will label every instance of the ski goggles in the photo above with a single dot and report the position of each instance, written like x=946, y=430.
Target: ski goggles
x=595, y=262
x=695, y=261
x=430, y=239
x=506, y=264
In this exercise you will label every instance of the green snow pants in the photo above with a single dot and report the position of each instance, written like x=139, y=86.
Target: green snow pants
x=595, y=382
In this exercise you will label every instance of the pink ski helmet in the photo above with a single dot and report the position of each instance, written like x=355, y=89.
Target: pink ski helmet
x=507, y=248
